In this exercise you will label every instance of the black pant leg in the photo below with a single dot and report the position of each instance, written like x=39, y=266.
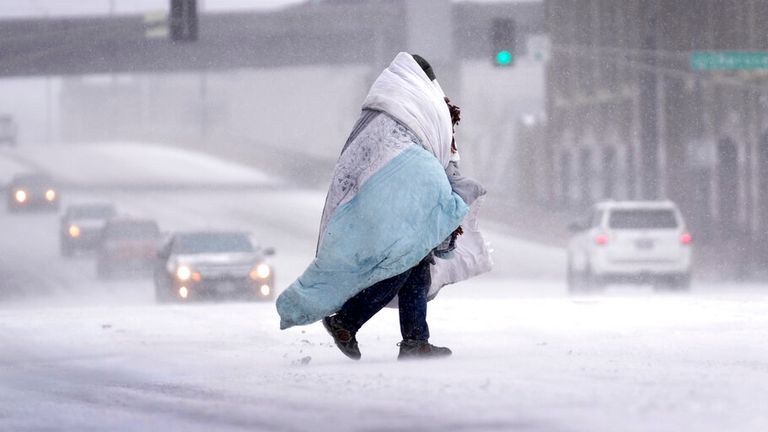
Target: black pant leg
x=412, y=300
x=363, y=306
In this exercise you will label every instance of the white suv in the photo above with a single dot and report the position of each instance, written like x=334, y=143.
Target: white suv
x=630, y=241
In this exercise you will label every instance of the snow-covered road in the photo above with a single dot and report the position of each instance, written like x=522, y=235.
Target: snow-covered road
x=619, y=362
x=80, y=354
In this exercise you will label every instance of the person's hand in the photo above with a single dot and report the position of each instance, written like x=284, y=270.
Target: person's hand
x=457, y=232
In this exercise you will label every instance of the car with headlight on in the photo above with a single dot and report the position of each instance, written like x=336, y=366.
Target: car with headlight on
x=630, y=241
x=81, y=226
x=211, y=265
x=32, y=191
x=127, y=246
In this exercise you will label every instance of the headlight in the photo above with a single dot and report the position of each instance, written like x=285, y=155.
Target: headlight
x=264, y=289
x=74, y=231
x=262, y=271
x=183, y=273
x=21, y=196
x=50, y=194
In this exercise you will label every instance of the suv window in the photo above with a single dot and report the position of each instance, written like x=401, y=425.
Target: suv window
x=132, y=230
x=643, y=219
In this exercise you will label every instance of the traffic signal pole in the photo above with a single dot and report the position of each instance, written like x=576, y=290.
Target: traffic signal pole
x=648, y=101
x=183, y=20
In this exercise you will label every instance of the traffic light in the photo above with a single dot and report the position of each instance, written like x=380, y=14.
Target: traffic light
x=183, y=20
x=503, y=41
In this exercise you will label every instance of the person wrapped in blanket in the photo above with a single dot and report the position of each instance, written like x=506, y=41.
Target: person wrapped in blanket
x=401, y=152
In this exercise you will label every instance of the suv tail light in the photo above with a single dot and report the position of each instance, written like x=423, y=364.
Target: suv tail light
x=601, y=239
x=685, y=238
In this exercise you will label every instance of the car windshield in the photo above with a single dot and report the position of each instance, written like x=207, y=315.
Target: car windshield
x=32, y=180
x=212, y=243
x=134, y=230
x=643, y=219
x=94, y=212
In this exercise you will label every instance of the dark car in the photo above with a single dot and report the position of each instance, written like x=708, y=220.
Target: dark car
x=127, y=246
x=32, y=191
x=212, y=264
x=81, y=226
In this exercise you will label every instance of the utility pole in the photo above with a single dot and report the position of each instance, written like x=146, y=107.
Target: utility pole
x=113, y=88
x=48, y=106
x=203, y=105
x=649, y=97
x=48, y=110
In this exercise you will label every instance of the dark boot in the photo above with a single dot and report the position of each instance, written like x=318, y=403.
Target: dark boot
x=419, y=349
x=343, y=337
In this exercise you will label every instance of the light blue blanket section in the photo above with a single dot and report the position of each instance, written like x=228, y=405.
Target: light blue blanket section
x=400, y=214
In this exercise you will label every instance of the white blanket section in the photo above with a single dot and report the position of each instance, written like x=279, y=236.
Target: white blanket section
x=405, y=92
x=471, y=257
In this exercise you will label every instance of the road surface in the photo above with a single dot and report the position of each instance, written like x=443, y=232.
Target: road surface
x=77, y=353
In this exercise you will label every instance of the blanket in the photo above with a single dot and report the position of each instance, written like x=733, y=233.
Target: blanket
x=392, y=213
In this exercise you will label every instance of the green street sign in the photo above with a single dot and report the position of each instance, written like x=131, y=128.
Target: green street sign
x=729, y=60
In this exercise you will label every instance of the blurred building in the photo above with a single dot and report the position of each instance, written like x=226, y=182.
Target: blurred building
x=286, y=86
x=281, y=89
x=631, y=117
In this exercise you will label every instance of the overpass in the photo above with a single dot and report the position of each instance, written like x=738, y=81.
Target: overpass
x=328, y=32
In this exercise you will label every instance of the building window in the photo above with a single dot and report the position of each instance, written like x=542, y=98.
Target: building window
x=585, y=176
x=565, y=178
x=728, y=185
x=609, y=172
x=763, y=198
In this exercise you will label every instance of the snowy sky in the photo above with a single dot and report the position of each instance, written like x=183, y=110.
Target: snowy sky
x=18, y=8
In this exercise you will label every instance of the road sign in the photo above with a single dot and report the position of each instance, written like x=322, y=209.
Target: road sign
x=729, y=60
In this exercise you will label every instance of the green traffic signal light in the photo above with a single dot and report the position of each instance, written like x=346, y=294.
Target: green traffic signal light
x=503, y=58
